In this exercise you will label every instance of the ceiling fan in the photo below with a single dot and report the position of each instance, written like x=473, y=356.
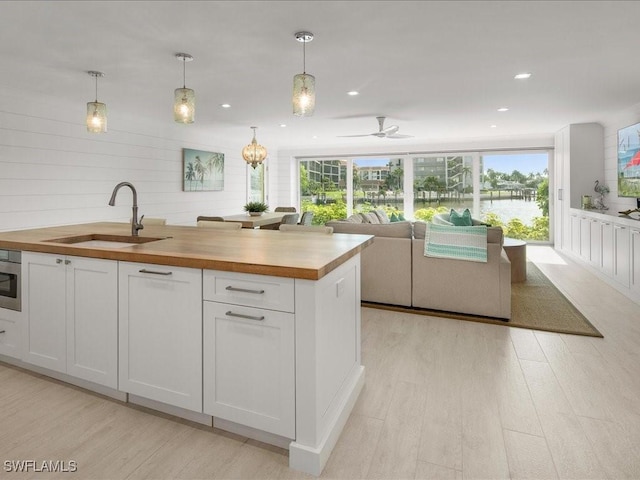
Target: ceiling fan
x=389, y=132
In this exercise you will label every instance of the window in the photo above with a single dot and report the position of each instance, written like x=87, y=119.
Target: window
x=507, y=189
x=257, y=183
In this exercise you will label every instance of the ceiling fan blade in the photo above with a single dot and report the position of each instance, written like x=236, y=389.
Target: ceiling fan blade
x=366, y=135
x=390, y=130
x=397, y=135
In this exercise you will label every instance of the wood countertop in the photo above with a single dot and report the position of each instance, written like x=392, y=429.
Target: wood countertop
x=264, y=252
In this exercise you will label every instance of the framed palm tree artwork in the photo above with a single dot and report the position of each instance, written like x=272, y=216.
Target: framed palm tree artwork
x=202, y=171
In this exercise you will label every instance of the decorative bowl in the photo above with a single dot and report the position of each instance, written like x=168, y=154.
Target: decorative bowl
x=255, y=214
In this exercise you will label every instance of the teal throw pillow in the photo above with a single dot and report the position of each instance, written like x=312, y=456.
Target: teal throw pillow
x=401, y=218
x=393, y=218
x=461, y=219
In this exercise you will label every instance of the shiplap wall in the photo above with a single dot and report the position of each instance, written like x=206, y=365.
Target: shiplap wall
x=611, y=127
x=53, y=172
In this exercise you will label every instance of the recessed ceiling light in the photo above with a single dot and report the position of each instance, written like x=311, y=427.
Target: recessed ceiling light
x=315, y=136
x=503, y=109
x=353, y=93
x=522, y=76
x=493, y=126
x=225, y=105
x=283, y=125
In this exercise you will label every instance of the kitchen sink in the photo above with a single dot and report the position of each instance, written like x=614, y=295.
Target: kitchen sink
x=99, y=240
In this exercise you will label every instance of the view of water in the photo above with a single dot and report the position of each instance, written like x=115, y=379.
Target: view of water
x=506, y=209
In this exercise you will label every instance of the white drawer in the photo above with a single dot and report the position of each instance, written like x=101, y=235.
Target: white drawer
x=10, y=338
x=263, y=291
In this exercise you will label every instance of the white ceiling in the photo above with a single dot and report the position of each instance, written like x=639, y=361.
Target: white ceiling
x=438, y=70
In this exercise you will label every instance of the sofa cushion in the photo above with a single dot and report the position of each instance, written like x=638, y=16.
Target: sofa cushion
x=395, y=229
x=371, y=218
x=419, y=229
x=382, y=216
x=461, y=219
x=355, y=218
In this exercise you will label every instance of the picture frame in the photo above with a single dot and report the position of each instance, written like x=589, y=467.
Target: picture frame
x=202, y=171
x=629, y=161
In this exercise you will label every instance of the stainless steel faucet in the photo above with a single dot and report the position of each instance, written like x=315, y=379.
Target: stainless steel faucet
x=135, y=224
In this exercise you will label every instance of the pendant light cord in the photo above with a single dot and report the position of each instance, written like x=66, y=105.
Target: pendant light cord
x=184, y=72
x=304, y=56
x=96, y=77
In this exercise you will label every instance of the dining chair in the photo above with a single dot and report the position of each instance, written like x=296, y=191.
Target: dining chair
x=285, y=209
x=306, y=229
x=220, y=225
x=306, y=218
x=290, y=219
x=210, y=219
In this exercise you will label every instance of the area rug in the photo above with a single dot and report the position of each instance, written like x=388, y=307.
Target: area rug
x=535, y=304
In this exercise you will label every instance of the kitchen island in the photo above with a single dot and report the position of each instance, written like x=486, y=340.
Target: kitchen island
x=255, y=332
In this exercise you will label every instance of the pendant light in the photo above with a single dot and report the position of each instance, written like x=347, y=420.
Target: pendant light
x=304, y=85
x=96, y=111
x=184, y=103
x=254, y=153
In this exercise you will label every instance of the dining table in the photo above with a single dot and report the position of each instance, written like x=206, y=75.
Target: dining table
x=251, y=221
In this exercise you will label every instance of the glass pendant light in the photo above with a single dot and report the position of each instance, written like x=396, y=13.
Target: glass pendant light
x=254, y=153
x=96, y=111
x=304, y=85
x=184, y=104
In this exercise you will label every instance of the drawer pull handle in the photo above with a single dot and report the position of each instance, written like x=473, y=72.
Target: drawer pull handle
x=2, y=331
x=240, y=315
x=144, y=270
x=245, y=290
x=58, y=261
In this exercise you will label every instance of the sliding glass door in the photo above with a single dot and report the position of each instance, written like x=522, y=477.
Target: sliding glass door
x=507, y=189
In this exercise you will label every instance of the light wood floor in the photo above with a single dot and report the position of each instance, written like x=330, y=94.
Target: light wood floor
x=444, y=399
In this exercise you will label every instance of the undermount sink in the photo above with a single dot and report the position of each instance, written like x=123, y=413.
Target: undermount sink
x=99, y=240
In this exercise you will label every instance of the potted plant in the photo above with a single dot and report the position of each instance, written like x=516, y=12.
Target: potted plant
x=256, y=208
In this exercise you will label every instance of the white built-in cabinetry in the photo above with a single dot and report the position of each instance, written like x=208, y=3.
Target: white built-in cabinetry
x=160, y=333
x=249, y=350
x=579, y=154
x=10, y=333
x=70, y=315
x=610, y=245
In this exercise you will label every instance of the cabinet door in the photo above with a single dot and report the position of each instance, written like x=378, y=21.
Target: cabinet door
x=44, y=295
x=595, y=239
x=160, y=321
x=622, y=253
x=607, y=248
x=249, y=367
x=575, y=234
x=635, y=260
x=92, y=320
x=585, y=238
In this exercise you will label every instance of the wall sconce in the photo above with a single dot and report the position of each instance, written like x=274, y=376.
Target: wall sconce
x=254, y=153
x=304, y=85
x=184, y=104
x=96, y=111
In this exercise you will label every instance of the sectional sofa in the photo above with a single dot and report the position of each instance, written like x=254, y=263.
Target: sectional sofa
x=395, y=271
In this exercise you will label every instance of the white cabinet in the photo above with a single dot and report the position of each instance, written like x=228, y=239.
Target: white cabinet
x=585, y=238
x=71, y=317
x=621, y=254
x=575, y=234
x=579, y=161
x=249, y=367
x=249, y=350
x=607, y=250
x=635, y=260
x=10, y=333
x=160, y=334
x=595, y=242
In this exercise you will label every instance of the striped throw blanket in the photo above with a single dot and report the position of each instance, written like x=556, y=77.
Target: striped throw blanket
x=459, y=243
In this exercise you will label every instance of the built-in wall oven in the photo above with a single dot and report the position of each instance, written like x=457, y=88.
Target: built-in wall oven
x=10, y=264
